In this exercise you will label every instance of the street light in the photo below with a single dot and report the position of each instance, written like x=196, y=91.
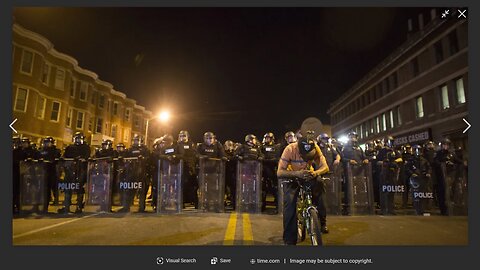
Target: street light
x=164, y=116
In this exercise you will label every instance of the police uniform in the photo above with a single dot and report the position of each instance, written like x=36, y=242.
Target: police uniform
x=50, y=154
x=271, y=153
x=141, y=152
x=187, y=151
x=350, y=152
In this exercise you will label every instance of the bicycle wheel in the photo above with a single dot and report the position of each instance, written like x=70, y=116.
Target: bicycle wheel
x=315, y=232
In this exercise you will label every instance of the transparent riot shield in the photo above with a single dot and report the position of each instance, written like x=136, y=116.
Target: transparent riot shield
x=99, y=185
x=249, y=186
x=169, y=188
x=132, y=183
x=211, y=185
x=332, y=183
x=33, y=187
x=455, y=183
x=116, y=194
x=392, y=189
x=360, y=189
x=71, y=175
x=421, y=193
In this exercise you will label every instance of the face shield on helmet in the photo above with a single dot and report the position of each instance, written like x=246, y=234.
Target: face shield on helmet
x=430, y=145
x=120, y=147
x=251, y=140
x=323, y=138
x=208, y=138
x=407, y=149
x=107, y=144
x=417, y=150
x=353, y=138
x=369, y=146
x=446, y=144
x=388, y=141
x=25, y=143
x=183, y=136
x=290, y=137
x=268, y=138
x=229, y=146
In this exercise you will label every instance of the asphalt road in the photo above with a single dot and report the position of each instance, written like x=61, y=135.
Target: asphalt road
x=196, y=228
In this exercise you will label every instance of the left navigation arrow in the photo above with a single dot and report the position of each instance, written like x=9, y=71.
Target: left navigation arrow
x=11, y=125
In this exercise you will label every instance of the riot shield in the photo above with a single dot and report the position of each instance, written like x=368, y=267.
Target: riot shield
x=249, y=186
x=421, y=193
x=455, y=188
x=71, y=176
x=99, y=185
x=116, y=199
x=211, y=185
x=332, y=183
x=360, y=189
x=132, y=183
x=169, y=188
x=392, y=189
x=33, y=187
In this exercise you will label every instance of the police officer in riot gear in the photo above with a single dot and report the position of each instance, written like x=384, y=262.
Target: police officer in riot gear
x=289, y=138
x=352, y=154
x=79, y=151
x=50, y=153
x=17, y=156
x=140, y=151
x=210, y=147
x=371, y=153
x=230, y=172
x=271, y=153
x=249, y=150
x=187, y=151
x=106, y=150
x=120, y=150
x=418, y=172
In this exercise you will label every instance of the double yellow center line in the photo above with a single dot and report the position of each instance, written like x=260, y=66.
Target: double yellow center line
x=232, y=227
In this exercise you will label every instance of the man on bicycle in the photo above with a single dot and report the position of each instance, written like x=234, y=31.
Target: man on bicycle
x=301, y=160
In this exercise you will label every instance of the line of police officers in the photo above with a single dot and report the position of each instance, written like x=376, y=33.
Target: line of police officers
x=416, y=160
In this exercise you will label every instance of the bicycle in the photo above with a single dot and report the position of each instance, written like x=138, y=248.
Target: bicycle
x=307, y=214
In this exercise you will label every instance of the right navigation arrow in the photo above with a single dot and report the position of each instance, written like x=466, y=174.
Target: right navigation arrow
x=466, y=122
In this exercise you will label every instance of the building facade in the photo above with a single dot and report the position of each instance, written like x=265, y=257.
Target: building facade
x=416, y=94
x=53, y=96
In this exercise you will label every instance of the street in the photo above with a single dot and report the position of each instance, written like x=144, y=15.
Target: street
x=195, y=228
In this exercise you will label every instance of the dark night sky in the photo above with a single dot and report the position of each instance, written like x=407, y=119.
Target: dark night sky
x=229, y=70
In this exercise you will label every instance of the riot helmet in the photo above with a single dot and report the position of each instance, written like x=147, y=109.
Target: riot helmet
x=167, y=140
x=268, y=138
x=388, y=141
x=209, y=138
x=120, y=147
x=251, y=140
x=290, y=137
x=16, y=142
x=323, y=138
x=78, y=138
x=183, y=136
x=417, y=150
x=107, y=144
x=137, y=140
x=229, y=146
x=353, y=138
x=430, y=145
x=157, y=143
x=369, y=146
x=25, y=142
x=407, y=149
x=446, y=144
x=48, y=142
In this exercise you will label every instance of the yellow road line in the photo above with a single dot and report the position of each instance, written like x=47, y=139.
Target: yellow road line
x=247, y=230
x=230, y=233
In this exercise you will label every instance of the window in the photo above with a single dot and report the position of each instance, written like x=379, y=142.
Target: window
x=60, y=79
x=40, y=107
x=366, y=129
x=73, y=83
x=361, y=131
x=114, y=131
x=83, y=91
x=438, y=52
x=415, y=67
x=55, y=115
x=21, y=100
x=395, y=80
x=69, y=117
x=453, y=42
x=460, y=91
x=419, y=107
x=115, y=108
x=27, y=62
x=392, y=124
x=45, y=73
x=136, y=121
x=399, y=116
x=377, y=122
x=384, y=122
x=127, y=114
x=445, y=101
x=372, y=126
x=99, y=125
x=126, y=134
x=80, y=119
x=101, y=101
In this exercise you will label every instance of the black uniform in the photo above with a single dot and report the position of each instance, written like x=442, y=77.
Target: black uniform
x=350, y=152
x=451, y=161
x=81, y=152
x=187, y=151
x=249, y=152
x=214, y=150
x=271, y=153
x=50, y=154
x=231, y=176
x=141, y=152
x=371, y=155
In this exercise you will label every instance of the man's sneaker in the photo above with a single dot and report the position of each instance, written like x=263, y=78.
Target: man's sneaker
x=324, y=229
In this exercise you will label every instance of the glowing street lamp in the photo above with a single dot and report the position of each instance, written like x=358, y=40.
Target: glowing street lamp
x=164, y=117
